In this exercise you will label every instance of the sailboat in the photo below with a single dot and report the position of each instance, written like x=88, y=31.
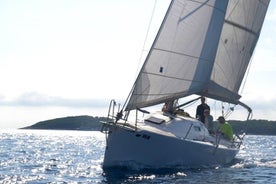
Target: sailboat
x=203, y=48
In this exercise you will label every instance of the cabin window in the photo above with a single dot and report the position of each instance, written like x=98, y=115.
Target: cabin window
x=197, y=128
x=155, y=120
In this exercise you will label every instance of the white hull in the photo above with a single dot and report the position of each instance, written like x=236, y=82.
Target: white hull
x=143, y=147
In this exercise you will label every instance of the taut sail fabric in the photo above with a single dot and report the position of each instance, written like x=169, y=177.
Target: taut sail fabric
x=202, y=47
x=240, y=33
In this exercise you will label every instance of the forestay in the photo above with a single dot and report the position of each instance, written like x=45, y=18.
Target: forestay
x=202, y=47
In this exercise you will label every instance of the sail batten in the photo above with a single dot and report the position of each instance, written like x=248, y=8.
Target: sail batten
x=169, y=77
x=202, y=47
x=241, y=27
x=179, y=53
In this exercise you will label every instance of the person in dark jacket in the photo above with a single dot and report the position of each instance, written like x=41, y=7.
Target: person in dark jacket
x=200, y=109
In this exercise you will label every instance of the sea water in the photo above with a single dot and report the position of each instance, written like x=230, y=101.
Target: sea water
x=41, y=156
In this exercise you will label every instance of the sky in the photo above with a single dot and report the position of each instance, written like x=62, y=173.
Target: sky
x=71, y=57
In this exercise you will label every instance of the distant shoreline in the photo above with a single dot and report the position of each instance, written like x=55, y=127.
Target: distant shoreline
x=80, y=123
x=90, y=123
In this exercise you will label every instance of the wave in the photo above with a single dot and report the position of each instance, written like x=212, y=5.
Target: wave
x=255, y=163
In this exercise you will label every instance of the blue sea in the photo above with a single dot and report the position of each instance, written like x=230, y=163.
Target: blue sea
x=41, y=156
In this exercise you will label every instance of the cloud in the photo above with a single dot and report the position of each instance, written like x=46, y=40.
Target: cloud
x=262, y=108
x=33, y=99
x=263, y=104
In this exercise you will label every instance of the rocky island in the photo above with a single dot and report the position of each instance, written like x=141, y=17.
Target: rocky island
x=90, y=123
x=70, y=123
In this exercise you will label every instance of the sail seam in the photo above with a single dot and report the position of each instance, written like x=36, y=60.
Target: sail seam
x=206, y=4
x=157, y=94
x=170, y=77
x=241, y=27
x=182, y=54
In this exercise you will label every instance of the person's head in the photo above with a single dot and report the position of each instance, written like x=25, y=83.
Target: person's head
x=202, y=99
x=206, y=112
x=221, y=120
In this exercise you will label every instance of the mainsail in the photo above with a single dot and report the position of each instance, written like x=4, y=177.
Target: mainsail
x=202, y=47
x=241, y=30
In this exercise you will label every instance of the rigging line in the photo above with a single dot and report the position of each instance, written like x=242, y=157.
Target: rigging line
x=246, y=75
x=189, y=103
x=147, y=34
x=132, y=89
x=229, y=111
x=231, y=11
